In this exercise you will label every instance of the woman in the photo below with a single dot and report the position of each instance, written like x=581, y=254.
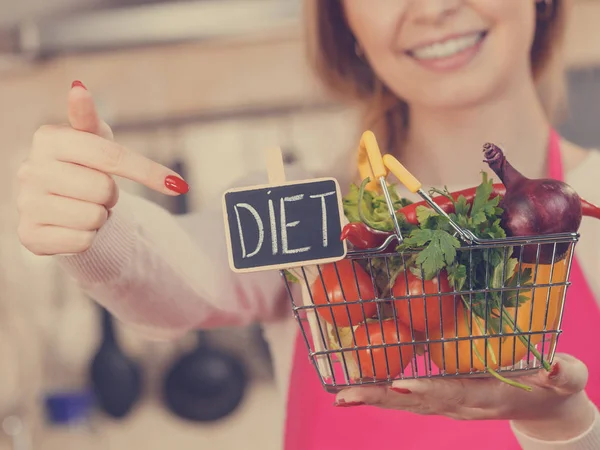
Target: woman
x=430, y=73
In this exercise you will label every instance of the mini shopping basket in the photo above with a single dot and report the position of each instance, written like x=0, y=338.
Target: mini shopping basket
x=383, y=343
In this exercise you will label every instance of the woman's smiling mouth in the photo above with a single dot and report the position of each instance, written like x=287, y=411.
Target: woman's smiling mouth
x=450, y=53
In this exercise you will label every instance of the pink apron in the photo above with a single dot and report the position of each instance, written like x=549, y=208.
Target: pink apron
x=313, y=423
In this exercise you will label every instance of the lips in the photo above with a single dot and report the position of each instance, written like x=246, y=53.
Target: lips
x=448, y=47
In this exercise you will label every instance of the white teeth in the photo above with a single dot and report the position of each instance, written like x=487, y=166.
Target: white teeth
x=447, y=48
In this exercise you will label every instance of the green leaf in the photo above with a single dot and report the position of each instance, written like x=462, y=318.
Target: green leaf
x=510, y=299
x=462, y=207
x=482, y=194
x=457, y=275
x=291, y=278
x=494, y=256
x=522, y=278
x=519, y=281
x=418, y=237
x=461, y=220
x=495, y=231
x=432, y=260
x=478, y=218
x=439, y=253
x=502, y=272
x=424, y=214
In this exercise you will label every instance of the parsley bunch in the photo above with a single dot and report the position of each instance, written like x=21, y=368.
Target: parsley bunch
x=472, y=269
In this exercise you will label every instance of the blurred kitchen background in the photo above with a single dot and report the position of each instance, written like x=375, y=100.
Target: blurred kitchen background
x=198, y=81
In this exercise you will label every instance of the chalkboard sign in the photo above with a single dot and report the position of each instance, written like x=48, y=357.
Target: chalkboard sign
x=285, y=225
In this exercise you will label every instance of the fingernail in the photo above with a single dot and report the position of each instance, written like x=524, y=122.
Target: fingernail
x=401, y=390
x=78, y=83
x=554, y=371
x=345, y=404
x=176, y=184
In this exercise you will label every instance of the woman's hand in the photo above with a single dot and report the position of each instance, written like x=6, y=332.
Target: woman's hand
x=66, y=185
x=557, y=408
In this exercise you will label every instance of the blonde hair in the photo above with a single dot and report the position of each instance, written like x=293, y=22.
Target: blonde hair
x=332, y=51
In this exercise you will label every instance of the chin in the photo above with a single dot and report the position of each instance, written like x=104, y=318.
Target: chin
x=457, y=95
x=450, y=93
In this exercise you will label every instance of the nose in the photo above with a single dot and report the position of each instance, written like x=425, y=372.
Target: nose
x=434, y=11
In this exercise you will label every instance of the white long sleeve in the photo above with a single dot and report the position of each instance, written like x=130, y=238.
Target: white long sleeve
x=588, y=440
x=165, y=274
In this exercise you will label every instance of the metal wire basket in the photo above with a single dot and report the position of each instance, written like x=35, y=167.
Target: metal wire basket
x=378, y=330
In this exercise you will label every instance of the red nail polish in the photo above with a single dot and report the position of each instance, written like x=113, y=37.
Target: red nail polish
x=554, y=371
x=344, y=404
x=176, y=184
x=78, y=83
x=401, y=390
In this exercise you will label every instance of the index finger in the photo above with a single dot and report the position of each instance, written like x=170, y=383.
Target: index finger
x=110, y=157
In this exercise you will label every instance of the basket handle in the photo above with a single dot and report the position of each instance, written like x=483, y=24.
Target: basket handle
x=402, y=173
x=371, y=164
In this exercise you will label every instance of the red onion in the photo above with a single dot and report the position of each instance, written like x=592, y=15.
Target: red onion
x=534, y=207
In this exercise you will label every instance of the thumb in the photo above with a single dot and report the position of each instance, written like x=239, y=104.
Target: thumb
x=82, y=112
x=568, y=375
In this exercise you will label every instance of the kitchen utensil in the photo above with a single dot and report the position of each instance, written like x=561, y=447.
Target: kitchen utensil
x=70, y=422
x=14, y=427
x=205, y=384
x=116, y=378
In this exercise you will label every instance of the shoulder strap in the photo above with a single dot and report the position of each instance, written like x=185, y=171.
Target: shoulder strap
x=555, y=164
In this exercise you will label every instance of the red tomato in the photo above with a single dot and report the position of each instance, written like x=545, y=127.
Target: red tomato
x=372, y=362
x=351, y=276
x=424, y=307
